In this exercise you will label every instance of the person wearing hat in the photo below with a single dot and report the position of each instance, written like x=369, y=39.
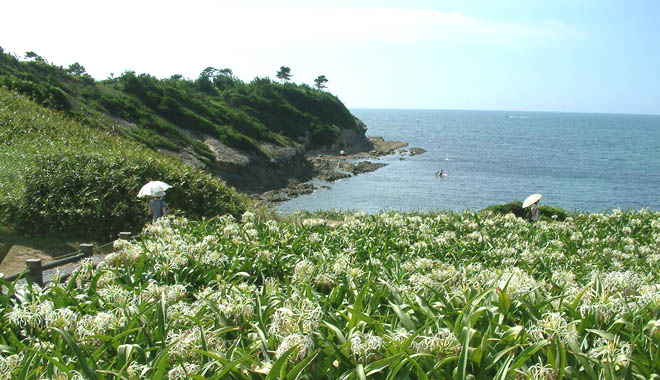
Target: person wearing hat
x=157, y=206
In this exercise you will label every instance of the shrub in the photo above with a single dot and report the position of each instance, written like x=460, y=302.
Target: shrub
x=43, y=93
x=95, y=194
x=62, y=177
x=515, y=207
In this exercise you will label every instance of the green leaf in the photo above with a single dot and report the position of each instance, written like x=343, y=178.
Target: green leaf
x=420, y=372
x=359, y=372
x=504, y=370
x=161, y=365
x=55, y=361
x=584, y=360
x=298, y=368
x=504, y=300
x=463, y=358
x=25, y=366
x=381, y=364
x=602, y=334
x=513, y=332
x=403, y=317
x=562, y=358
x=499, y=355
x=526, y=354
x=79, y=353
x=276, y=371
x=227, y=366
x=337, y=331
x=576, y=302
x=8, y=350
x=357, y=316
x=161, y=315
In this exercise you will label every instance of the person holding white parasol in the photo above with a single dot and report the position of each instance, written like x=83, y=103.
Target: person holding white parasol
x=157, y=206
x=533, y=201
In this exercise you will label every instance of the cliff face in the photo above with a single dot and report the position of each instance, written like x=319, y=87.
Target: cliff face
x=254, y=173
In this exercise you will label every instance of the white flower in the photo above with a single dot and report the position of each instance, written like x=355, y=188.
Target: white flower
x=554, y=325
x=341, y=264
x=114, y=295
x=540, y=372
x=440, y=344
x=248, y=216
x=614, y=350
x=303, y=344
x=183, y=343
x=103, y=323
x=182, y=370
x=364, y=345
x=301, y=316
x=137, y=371
x=9, y=364
x=303, y=271
x=314, y=237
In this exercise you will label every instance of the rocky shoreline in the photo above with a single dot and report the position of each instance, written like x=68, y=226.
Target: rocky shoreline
x=330, y=167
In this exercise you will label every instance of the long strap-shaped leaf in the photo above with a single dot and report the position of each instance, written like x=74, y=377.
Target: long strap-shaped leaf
x=462, y=362
x=80, y=355
x=278, y=370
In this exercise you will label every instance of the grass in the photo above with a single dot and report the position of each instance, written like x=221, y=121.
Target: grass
x=52, y=245
x=162, y=112
x=388, y=296
x=63, y=176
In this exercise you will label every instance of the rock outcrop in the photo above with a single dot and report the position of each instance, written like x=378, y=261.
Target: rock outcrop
x=280, y=167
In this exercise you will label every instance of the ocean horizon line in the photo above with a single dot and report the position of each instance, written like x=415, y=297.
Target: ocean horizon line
x=503, y=111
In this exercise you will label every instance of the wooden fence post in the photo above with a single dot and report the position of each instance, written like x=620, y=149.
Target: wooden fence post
x=87, y=249
x=35, y=275
x=125, y=235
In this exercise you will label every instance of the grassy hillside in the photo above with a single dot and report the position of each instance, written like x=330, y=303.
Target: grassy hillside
x=170, y=113
x=58, y=174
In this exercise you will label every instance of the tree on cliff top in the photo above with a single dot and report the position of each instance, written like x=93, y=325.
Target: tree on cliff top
x=320, y=82
x=76, y=69
x=284, y=73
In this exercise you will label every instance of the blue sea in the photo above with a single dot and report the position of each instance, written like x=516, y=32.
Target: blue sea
x=577, y=161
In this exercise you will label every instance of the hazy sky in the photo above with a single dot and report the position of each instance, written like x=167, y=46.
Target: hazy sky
x=559, y=55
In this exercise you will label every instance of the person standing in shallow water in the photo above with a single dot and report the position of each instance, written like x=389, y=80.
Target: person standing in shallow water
x=157, y=206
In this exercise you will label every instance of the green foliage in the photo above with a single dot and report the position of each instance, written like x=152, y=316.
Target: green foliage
x=515, y=208
x=297, y=112
x=284, y=73
x=35, y=56
x=320, y=82
x=158, y=111
x=387, y=296
x=95, y=194
x=59, y=176
x=43, y=93
x=76, y=69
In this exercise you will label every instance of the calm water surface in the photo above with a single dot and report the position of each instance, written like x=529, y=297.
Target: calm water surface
x=586, y=162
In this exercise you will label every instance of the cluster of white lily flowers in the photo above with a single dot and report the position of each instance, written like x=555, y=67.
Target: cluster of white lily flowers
x=274, y=288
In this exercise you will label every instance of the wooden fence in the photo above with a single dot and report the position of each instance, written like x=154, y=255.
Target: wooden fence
x=34, y=269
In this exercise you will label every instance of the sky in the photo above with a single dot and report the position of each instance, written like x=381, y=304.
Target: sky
x=598, y=56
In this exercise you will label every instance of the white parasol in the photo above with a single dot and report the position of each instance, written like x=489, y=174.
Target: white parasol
x=531, y=199
x=153, y=188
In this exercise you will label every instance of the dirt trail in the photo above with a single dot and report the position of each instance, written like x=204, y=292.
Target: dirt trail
x=14, y=262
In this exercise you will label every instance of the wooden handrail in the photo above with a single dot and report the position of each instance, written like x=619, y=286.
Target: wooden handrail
x=34, y=268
